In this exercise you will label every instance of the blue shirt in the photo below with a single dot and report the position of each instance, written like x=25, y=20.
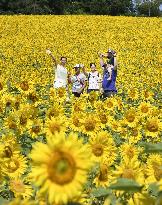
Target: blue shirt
x=109, y=85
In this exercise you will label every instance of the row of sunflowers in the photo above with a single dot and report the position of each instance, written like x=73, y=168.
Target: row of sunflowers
x=85, y=150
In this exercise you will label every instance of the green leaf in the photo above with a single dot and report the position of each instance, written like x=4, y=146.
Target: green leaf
x=100, y=192
x=153, y=189
x=149, y=147
x=3, y=201
x=128, y=185
x=159, y=198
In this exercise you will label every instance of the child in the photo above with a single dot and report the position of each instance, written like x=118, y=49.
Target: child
x=94, y=78
x=78, y=81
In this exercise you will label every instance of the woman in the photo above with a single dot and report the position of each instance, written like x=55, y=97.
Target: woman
x=61, y=73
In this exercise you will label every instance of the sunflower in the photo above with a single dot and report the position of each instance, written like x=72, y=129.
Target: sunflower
x=35, y=127
x=131, y=118
x=11, y=122
x=105, y=119
x=104, y=177
x=135, y=134
x=147, y=95
x=55, y=111
x=22, y=121
x=75, y=121
x=103, y=147
x=110, y=104
x=144, y=109
x=15, y=166
x=25, y=86
x=129, y=151
x=60, y=167
x=142, y=199
x=153, y=127
x=99, y=105
x=90, y=124
x=115, y=125
x=78, y=105
x=55, y=125
x=31, y=112
x=130, y=169
x=93, y=96
x=8, y=147
x=8, y=100
x=119, y=103
x=20, y=188
x=17, y=101
x=133, y=94
x=61, y=92
x=154, y=168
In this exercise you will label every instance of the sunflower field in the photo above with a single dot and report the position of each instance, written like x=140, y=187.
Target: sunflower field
x=82, y=151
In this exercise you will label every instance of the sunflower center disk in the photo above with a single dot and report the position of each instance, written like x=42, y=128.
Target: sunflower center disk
x=152, y=127
x=144, y=109
x=103, y=119
x=128, y=173
x=90, y=125
x=97, y=150
x=130, y=118
x=157, y=172
x=54, y=128
x=63, y=168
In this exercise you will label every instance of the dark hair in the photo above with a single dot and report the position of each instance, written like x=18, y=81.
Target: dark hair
x=92, y=64
x=110, y=55
x=62, y=57
x=104, y=65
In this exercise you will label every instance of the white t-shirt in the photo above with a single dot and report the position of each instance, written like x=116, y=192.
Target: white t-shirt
x=77, y=81
x=60, y=77
x=93, y=80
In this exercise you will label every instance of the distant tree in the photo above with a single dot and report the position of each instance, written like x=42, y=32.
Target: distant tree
x=149, y=8
x=58, y=6
x=120, y=7
x=25, y=6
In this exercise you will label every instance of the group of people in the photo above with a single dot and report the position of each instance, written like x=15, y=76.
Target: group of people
x=105, y=83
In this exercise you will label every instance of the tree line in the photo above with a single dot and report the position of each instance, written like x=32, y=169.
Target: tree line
x=91, y=7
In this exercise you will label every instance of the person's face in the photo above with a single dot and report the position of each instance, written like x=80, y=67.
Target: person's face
x=93, y=67
x=77, y=70
x=109, y=55
x=63, y=61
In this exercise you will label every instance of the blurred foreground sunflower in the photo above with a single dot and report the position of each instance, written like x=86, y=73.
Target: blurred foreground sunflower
x=60, y=167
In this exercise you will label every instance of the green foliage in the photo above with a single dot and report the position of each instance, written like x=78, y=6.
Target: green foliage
x=149, y=8
x=127, y=185
x=59, y=7
x=152, y=148
x=101, y=192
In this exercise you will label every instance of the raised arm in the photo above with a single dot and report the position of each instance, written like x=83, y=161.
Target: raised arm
x=52, y=56
x=101, y=59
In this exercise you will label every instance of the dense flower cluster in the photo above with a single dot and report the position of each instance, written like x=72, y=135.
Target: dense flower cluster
x=57, y=152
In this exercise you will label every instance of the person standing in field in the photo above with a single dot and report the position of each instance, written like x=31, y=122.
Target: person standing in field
x=78, y=81
x=61, y=73
x=93, y=78
x=109, y=73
